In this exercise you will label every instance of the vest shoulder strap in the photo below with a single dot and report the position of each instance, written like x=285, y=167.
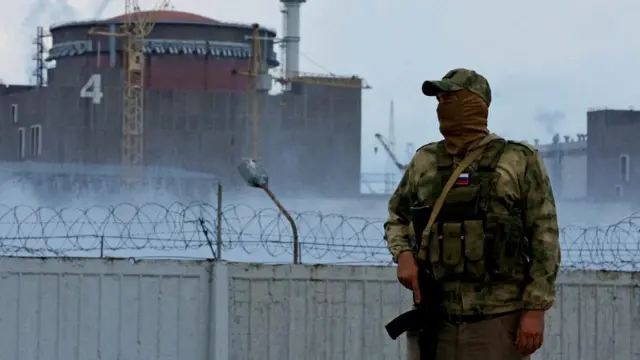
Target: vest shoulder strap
x=491, y=157
x=523, y=145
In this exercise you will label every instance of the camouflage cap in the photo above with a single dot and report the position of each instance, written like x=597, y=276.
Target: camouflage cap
x=459, y=79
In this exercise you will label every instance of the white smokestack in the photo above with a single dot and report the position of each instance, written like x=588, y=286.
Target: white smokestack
x=291, y=37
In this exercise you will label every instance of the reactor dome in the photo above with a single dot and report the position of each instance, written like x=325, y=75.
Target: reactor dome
x=183, y=51
x=162, y=16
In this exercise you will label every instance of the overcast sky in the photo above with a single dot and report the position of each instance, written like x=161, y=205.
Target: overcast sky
x=547, y=61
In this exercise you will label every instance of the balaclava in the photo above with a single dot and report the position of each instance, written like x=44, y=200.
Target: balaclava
x=463, y=108
x=463, y=120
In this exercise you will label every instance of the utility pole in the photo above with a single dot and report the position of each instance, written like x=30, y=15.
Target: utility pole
x=390, y=166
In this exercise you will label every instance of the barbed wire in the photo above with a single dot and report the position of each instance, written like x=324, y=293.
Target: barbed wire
x=243, y=233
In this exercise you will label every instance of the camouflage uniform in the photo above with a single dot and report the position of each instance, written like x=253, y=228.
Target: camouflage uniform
x=494, y=248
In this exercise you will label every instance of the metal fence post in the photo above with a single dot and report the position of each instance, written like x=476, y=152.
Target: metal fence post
x=219, y=223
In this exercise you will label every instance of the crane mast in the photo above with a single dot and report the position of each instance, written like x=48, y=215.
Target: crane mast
x=259, y=80
x=255, y=69
x=133, y=96
x=136, y=27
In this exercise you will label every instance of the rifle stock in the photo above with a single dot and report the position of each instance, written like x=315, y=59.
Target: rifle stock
x=425, y=316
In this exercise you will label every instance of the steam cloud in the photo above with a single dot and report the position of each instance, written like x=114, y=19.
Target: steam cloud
x=549, y=119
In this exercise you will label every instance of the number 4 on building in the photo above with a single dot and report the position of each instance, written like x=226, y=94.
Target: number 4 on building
x=93, y=89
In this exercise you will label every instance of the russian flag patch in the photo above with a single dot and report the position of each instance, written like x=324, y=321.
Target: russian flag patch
x=463, y=179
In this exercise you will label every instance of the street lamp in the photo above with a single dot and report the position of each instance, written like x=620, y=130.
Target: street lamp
x=256, y=176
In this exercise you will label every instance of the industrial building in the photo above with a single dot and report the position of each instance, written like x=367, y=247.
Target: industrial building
x=599, y=167
x=566, y=162
x=184, y=108
x=613, y=152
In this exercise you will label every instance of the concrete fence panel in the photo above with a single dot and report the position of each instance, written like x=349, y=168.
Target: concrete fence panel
x=101, y=309
x=86, y=309
x=313, y=312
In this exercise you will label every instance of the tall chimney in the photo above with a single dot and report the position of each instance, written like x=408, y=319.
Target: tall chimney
x=291, y=37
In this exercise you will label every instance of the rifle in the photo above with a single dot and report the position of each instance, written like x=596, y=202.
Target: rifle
x=425, y=317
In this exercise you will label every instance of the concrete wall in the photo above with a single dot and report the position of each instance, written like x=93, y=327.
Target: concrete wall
x=566, y=163
x=574, y=184
x=309, y=141
x=109, y=309
x=612, y=134
x=568, y=175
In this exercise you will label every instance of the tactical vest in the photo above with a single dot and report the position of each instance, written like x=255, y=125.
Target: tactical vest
x=470, y=241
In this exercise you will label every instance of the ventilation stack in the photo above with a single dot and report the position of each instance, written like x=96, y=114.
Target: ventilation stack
x=291, y=37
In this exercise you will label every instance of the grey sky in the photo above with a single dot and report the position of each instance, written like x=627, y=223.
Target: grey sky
x=540, y=57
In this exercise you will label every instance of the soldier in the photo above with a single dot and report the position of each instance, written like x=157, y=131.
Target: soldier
x=491, y=236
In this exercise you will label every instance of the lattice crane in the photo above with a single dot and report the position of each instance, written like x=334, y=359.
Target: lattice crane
x=258, y=80
x=137, y=26
x=387, y=148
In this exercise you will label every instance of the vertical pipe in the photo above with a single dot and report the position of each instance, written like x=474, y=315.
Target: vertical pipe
x=219, y=224
x=559, y=169
x=283, y=44
x=98, y=55
x=292, y=39
x=112, y=46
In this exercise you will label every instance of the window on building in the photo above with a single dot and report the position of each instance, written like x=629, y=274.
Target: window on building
x=624, y=167
x=619, y=192
x=36, y=140
x=21, y=143
x=14, y=113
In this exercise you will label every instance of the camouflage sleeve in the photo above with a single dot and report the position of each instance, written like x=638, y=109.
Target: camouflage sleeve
x=397, y=228
x=541, y=227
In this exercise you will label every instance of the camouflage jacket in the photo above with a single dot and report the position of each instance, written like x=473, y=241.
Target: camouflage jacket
x=522, y=175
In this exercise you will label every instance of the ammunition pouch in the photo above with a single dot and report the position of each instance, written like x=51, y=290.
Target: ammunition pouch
x=475, y=250
x=469, y=241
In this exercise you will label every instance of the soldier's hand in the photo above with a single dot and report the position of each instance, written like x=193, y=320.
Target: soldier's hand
x=408, y=274
x=530, y=332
